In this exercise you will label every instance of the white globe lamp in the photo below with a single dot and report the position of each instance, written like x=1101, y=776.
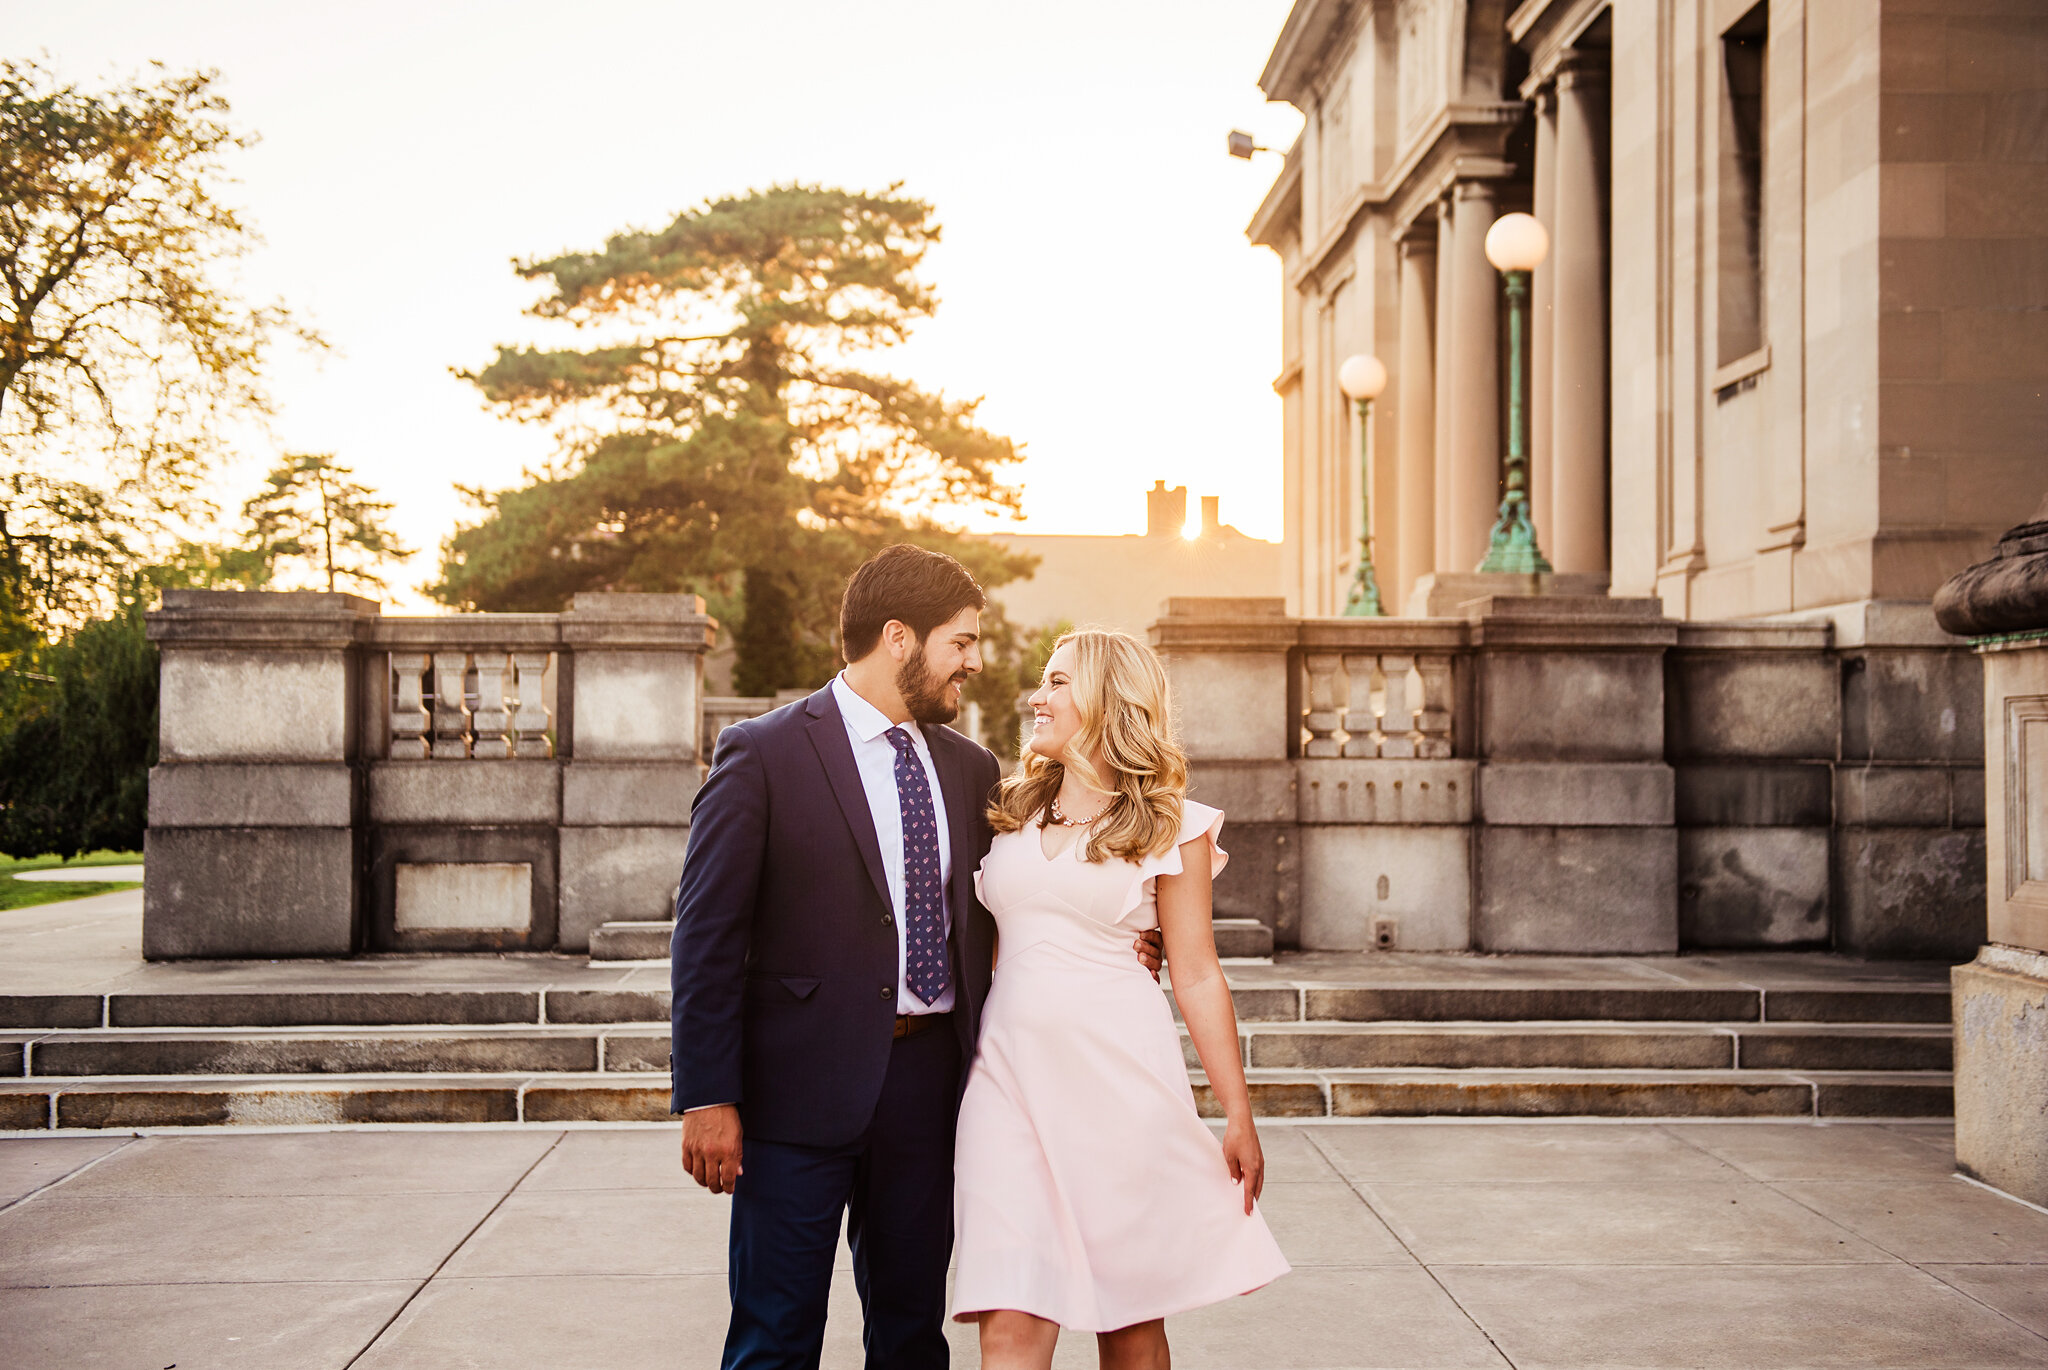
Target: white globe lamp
x=1362, y=377
x=1517, y=242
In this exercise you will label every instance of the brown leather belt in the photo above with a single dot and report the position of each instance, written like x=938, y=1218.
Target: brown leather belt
x=910, y=1024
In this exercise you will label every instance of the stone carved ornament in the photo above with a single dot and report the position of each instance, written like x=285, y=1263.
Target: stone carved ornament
x=2007, y=594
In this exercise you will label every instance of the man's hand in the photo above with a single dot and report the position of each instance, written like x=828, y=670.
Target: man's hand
x=711, y=1147
x=1151, y=951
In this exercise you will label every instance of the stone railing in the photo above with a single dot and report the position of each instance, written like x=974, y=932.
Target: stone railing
x=452, y=698
x=304, y=803
x=1395, y=705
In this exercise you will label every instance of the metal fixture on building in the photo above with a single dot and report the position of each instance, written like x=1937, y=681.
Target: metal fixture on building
x=1362, y=378
x=1516, y=245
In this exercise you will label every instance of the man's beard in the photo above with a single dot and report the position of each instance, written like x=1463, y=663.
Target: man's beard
x=924, y=693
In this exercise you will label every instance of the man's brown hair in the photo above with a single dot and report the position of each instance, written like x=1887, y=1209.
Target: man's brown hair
x=917, y=587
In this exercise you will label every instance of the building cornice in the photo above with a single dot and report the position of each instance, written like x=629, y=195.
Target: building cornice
x=1281, y=209
x=1548, y=30
x=1298, y=52
x=1464, y=142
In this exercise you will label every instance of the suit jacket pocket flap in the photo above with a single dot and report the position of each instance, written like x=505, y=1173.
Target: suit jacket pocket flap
x=801, y=986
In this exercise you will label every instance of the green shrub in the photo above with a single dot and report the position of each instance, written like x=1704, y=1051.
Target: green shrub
x=77, y=739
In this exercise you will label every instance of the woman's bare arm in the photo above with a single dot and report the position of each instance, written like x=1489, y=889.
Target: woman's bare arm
x=1204, y=998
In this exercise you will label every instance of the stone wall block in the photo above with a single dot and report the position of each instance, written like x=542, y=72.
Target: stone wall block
x=1263, y=879
x=230, y=704
x=470, y=793
x=1585, y=891
x=240, y=892
x=1382, y=792
x=1571, y=706
x=444, y=844
x=1912, y=705
x=1613, y=794
x=616, y=873
x=196, y=794
x=1897, y=796
x=1909, y=892
x=1763, y=704
x=2001, y=1037
x=1752, y=887
x=1353, y=875
x=1743, y=794
x=1232, y=706
x=632, y=705
x=633, y=793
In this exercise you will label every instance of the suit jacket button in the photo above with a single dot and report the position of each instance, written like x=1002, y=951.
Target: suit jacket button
x=888, y=993
x=888, y=920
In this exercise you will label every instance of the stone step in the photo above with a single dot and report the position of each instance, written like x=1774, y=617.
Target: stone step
x=1589, y=1046
x=1591, y=1093
x=1258, y=996
x=622, y=941
x=625, y=941
x=1301, y=1046
x=213, y=1101
x=335, y=1051
x=1242, y=937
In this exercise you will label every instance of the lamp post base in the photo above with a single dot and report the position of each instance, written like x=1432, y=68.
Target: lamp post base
x=1512, y=547
x=1365, y=588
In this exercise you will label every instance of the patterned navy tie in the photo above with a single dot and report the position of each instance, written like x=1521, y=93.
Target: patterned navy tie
x=924, y=922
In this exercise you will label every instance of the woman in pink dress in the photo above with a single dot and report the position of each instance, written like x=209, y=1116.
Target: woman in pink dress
x=1088, y=1193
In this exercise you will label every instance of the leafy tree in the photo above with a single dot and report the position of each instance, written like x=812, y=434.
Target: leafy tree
x=78, y=736
x=312, y=509
x=124, y=356
x=725, y=429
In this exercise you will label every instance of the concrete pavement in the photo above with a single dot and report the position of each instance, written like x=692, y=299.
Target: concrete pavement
x=1415, y=1244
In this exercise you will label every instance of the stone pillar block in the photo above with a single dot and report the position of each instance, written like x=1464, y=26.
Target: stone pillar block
x=632, y=767
x=252, y=849
x=2001, y=1037
x=1227, y=660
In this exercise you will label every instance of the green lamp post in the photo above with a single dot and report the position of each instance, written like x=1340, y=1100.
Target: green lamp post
x=1362, y=378
x=1516, y=245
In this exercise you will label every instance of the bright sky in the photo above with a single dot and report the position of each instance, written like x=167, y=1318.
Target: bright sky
x=1097, y=287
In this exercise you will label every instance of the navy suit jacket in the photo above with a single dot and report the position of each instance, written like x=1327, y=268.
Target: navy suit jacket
x=783, y=964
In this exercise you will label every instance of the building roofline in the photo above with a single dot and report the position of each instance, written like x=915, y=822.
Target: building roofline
x=1296, y=51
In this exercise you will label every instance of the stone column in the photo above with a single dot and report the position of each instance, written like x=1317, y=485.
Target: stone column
x=1474, y=377
x=635, y=699
x=1578, y=275
x=1441, y=374
x=1542, y=294
x=1415, y=374
x=253, y=802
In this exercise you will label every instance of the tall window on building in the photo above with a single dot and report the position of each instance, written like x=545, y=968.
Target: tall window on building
x=1741, y=189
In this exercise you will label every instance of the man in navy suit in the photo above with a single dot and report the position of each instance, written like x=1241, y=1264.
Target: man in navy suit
x=829, y=965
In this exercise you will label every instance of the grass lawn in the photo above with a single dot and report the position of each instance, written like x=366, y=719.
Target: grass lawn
x=19, y=894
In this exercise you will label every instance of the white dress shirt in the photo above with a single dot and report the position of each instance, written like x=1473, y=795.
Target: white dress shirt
x=875, y=756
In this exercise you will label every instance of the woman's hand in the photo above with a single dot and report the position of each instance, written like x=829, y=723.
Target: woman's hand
x=1247, y=1162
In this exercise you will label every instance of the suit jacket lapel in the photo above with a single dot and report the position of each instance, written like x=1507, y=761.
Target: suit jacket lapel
x=828, y=735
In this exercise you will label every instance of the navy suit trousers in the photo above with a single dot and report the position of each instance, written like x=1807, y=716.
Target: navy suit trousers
x=894, y=1184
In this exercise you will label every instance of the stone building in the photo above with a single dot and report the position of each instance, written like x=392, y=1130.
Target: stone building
x=1788, y=345
x=1121, y=582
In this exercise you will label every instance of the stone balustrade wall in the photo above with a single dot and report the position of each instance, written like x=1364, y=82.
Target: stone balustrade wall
x=331, y=780
x=1553, y=773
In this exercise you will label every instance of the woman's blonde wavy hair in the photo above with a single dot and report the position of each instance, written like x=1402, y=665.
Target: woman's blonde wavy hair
x=1120, y=690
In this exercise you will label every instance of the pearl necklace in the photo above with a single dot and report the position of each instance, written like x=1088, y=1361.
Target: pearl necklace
x=1066, y=822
